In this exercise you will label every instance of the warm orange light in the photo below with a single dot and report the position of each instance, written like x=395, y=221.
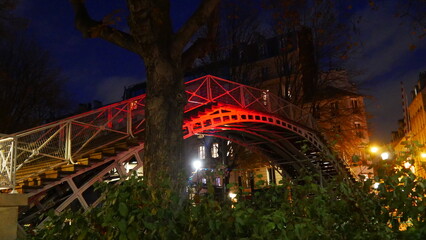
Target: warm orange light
x=374, y=149
x=423, y=156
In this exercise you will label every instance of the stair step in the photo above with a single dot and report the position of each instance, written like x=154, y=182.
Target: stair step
x=97, y=156
x=65, y=173
x=49, y=173
x=122, y=146
x=48, y=180
x=28, y=189
x=72, y=167
x=83, y=161
x=132, y=142
x=111, y=151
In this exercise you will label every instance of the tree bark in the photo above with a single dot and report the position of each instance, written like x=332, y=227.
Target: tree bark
x=164, y=117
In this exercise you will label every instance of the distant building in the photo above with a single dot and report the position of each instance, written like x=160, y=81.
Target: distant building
x=398, y=136
x=415, y=128
x=340, y=113
x=285, y=66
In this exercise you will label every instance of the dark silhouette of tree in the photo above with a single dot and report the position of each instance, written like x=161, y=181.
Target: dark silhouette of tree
x=32, y=89
x=166, y=55
x=322, y=34
x=413, y=11
x=240, y=27
x=8, y=22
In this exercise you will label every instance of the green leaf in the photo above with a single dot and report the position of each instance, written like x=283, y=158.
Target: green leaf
x=122, y=225
x=82, y=236
x=132, y=234
x=123, y=209
x=123, y=236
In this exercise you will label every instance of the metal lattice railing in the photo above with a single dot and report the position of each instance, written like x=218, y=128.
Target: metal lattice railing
x=72, y=137
x=210, y=89
x=7, y=163
x=69, y=138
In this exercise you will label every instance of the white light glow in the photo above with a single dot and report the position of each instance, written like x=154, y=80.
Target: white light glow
x=197, y=164
x=385, y=155
x=376, y=185
x=407, y=165
x=232, y=195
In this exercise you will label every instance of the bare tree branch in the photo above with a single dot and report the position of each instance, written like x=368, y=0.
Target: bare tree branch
x=199, y=18
x=92, y=29
x=202, y=45
x=195, y=51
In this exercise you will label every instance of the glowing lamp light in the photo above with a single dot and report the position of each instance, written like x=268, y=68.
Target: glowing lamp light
x=232, y=195
x=423, y=156
x=197, y=164
x=385, y=156
x=407, y=165
x=374, y=149
x=376, y=185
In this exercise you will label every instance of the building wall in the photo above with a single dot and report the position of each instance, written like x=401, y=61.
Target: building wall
x=340, y=114
x=286, y=66
x=417, y=113
x=346, y=129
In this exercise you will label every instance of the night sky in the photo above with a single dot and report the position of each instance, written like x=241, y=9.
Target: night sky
x=99, y=70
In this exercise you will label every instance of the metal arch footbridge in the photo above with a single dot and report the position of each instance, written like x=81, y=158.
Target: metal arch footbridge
x=77, y=151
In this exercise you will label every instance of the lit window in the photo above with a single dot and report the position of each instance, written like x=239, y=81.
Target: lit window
x=230, y=152
x=201, y=152
x=215, y=150
x=265, y=97
x=218, y=182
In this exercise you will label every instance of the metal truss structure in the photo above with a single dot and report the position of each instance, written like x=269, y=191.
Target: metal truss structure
x=216, y=107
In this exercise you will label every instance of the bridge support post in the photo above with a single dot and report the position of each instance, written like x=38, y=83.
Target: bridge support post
x=68, y=145
x=9, y=204
x=129, y=119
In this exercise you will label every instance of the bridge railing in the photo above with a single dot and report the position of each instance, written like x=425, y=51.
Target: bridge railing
x=66, y=139
x=69, y=138
x=210, y=89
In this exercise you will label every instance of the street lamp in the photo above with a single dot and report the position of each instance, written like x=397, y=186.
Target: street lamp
x=233, y=196
x=407, y=165
x=385, y=155
x=197, y=164
x=374, y=149
x=376, y=185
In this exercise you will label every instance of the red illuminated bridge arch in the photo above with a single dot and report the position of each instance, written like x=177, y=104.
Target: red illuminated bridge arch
x=36, y=161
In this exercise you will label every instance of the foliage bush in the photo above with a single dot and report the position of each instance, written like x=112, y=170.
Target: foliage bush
x=299, y=209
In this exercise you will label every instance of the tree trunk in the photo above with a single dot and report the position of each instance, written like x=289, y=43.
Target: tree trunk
x=164, y=118
x=165, y=56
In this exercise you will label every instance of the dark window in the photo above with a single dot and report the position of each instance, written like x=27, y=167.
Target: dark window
x=334, y=108
x=316, y=112
x=354, y=104
x=264, y=73
x=337, y=129
x=263, y=50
